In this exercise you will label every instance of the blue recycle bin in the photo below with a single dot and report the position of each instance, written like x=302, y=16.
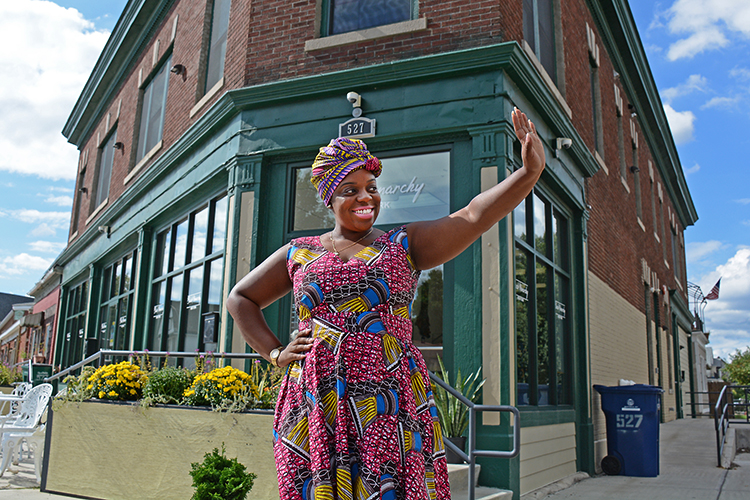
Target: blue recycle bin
x=632, y=413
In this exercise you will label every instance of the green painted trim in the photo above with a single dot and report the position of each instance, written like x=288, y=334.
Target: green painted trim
x=132, y=32
x=681, y=310
x=536, y=416
x=92, y=308
x=60, y=333
x=146, y=262
x=619, y=34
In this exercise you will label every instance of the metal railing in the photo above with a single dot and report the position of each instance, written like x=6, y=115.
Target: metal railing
x=474, y=408
x=722, y=417
x=99, y=356
x=471, y=440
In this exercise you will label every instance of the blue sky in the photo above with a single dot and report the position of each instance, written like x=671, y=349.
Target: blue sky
x=699, y=55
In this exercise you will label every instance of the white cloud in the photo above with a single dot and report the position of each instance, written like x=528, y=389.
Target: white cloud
x=746, y=222
x=681, y=123
x=707, y=25
x=47, y=222
x=23, y=263
x=44, y=69
x=63, y=201
x=695, y=168
x=740, y=73
x=696, y=251
x=721, y=102
x=47, y=246
x=744, y=201
x=728, y=318
x=694, y=83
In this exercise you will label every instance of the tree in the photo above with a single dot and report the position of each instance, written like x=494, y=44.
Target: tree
x=738, y=368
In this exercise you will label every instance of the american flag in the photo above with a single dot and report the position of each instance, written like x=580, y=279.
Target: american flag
x=714, y=293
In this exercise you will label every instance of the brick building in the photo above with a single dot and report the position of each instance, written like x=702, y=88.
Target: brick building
x=199, y=122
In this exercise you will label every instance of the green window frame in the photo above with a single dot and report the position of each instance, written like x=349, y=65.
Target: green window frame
x=116, y=302
x=344, y=16
x=76, y=308
x=187, y=282
x=543, y=308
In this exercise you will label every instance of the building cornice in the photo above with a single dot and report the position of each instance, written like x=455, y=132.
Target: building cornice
x=620, y=35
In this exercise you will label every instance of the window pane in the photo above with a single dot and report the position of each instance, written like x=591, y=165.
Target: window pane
x=180, y=247
x=519, y=221
x=106, y=159
x=200, y=232
x=163, y=243
x=542, y=334
x=106, y=280
x=352, y=15
x=127, y=274
x=427, y=316
x=309, y=210
x=218, y=240
x=117, y=276
x=111, y=327
x=173, y=322
x=218, y=47
x=540, y=225
x=529, y=23
x=122, y=338
x=152, y=112
x=193, y=310
x=157, y=315
x=414, y=187
x=546, y=36
x=214, y=285
x=560, y=240
x=522, y=327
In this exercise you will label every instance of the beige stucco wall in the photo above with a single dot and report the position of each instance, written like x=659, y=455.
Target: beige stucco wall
x=618, y=349
x=111, y=451
x=548, y=454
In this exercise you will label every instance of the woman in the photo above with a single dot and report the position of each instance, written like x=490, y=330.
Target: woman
x=355, y=416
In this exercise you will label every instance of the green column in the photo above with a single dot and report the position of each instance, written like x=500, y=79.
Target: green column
x=141, y=311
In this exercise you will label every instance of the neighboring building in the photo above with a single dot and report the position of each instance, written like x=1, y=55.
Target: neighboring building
x=199, y=122
x=43, y=320
x=13, y=332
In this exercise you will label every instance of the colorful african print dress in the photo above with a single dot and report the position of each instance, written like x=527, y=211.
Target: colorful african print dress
x=356, y=419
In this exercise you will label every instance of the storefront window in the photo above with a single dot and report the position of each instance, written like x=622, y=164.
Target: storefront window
x=117, y=292
x=75, y=324
x=542, y=293
x=187, y=279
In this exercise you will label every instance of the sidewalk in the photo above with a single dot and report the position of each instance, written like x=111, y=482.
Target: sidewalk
x=688, y=471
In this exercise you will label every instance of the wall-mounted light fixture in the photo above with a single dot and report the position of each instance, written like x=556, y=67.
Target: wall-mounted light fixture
x=83, y=190
x=356, y=101
x=635, y=169
x=104, y=230
x=562, y=143
x=179, y=69
x=119, y=145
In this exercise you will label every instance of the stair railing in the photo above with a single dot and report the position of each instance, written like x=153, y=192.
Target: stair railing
x=471, y=440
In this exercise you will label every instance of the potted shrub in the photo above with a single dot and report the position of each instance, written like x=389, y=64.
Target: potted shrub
x=220, y=478
x=453, y=414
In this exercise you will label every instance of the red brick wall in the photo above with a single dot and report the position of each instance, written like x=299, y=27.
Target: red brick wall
x=266, y=43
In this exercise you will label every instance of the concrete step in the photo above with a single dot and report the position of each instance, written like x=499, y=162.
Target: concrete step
x=458, y=474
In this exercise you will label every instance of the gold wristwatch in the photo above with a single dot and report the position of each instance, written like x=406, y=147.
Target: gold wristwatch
x=274, y=355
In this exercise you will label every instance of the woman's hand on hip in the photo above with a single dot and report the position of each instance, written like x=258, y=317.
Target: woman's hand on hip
x=297, y=348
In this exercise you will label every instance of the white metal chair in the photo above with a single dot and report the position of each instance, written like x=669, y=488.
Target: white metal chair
x=12, y=399
x=25, y=425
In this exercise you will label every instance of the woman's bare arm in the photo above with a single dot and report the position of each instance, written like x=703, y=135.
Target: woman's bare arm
x=263, y=286
x=432, y=243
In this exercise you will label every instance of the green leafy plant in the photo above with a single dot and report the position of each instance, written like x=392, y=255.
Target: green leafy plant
x=220, y=478
x=454, y=415
x=167, y=385
x=219, y=387
x=264, y=385
x=8, y=375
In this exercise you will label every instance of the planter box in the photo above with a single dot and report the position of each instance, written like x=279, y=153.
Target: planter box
x=106, y=450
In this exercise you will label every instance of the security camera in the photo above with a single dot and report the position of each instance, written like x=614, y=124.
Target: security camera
x=354, y=98
x=563, y=143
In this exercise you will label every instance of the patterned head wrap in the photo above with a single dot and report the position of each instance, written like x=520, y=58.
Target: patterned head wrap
x=335, y=161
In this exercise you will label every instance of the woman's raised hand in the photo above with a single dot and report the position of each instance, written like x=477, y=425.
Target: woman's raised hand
x=532, y=149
